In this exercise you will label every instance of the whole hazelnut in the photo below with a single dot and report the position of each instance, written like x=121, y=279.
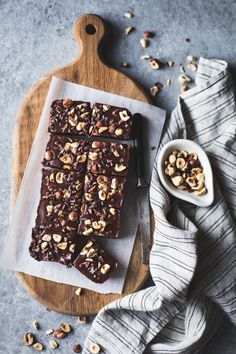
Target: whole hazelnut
x=58, y=195
x=59, y=334
x=73, y=216
x=67, y=102
x=193, y=163
x=96, y=144
x=48, y=155
x=76, y=348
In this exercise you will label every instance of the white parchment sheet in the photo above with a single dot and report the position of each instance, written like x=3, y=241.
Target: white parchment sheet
x=15, y=255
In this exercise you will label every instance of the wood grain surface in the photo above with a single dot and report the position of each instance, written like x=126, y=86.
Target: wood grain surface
x=88, y=69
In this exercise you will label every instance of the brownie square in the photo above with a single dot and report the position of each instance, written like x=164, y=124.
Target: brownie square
x=67, y=153
x=95, y=263
x=110, y=159
x=71, y=117
x=98, y=220
x=108, y=191
x=111, y=121
x=53, y=245
x=61, y=194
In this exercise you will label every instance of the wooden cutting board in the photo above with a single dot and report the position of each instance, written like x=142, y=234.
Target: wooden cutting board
x=87, y=69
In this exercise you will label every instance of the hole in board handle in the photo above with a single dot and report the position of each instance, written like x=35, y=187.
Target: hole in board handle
x=90, y=29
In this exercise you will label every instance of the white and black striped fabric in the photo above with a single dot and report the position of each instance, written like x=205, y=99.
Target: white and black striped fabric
x=193, y=258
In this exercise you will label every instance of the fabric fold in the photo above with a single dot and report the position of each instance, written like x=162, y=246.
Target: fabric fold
x=193, y=257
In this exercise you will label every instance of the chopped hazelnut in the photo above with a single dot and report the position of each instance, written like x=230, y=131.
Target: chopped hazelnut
x=78, y=291
x=129, y=29
x=82, y=319
x=38, y=346
x=183, y=79
x=53, y=344
x=170, y=63
x=191, y=58
x=124, y=64
x=35, y=324
x=154, y=64
x=144, y=42
x=128, y=14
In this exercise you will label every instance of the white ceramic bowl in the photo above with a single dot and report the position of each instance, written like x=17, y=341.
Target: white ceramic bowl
x=189, y=146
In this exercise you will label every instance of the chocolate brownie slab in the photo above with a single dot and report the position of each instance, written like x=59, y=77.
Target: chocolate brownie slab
x=70, y=117
x=110, y=159
x=95, y=263
x=61, y=194
x=53, y=245
x=110, y=121
x=67, y=153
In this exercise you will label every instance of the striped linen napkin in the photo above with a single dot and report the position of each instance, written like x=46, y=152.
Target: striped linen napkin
x=193, y=258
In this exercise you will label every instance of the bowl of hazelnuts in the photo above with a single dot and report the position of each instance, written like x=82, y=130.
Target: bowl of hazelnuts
x=185, y=171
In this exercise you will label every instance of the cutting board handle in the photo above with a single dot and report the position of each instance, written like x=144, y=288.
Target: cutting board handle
x=89, y=31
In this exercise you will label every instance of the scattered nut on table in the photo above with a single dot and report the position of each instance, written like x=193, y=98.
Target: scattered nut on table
x=154, y=90
x=53, y=344
x=38, y=346
x=183, y=88
x=65, y=327
x=145, y=57
x=124, y=64
x=128, y=14
x=82, y=319
x=148, y=34
x=170, y=63
x=154, y=64
x=35, y=324
x=129, y=29
x=181, y=68
x=59, y=334
x=191, y=58
x=185, y=172
x=144, y=42
x=184, y=79
x=192, y=66
x=76, y=348
x=28, y=339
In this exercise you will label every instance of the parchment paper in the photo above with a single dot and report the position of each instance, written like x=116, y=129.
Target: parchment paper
x=15, y=255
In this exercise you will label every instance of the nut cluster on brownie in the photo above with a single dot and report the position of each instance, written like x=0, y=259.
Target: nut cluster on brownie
x=82, y=187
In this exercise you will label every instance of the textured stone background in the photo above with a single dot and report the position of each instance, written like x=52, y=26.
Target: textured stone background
x=35, y=38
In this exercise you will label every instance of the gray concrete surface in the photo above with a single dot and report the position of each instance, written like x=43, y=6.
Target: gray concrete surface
x=35, y=38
